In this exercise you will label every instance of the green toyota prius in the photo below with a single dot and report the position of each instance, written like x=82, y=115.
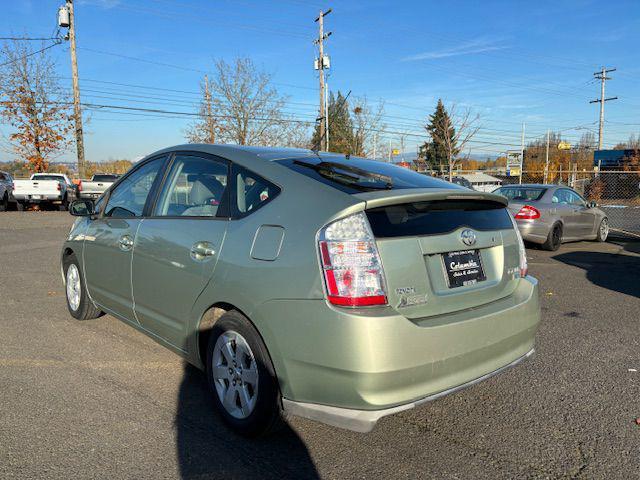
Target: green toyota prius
x=313, y=284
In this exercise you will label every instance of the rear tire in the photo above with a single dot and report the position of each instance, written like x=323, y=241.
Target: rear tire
x=554, y=239
x=78, y=302
x=241, y=377
x=64, y=206
x=4, y=203
x=603, y=230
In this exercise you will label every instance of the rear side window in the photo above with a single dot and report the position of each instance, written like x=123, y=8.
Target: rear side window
x=355, y=175
x=105, y=178
x=437, y=217
x=521, y=193
x=252, y=192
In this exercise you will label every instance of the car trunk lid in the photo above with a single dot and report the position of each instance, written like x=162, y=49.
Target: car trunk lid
x=443, y=250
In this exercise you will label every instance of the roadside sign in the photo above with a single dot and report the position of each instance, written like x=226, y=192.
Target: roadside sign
x=564, y=146
x=395, y=151
x=514, y=163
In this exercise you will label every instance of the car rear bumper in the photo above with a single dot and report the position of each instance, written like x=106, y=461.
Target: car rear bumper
x=333, y=364
x=534, y=231
x=365, y=420
x=35, y=198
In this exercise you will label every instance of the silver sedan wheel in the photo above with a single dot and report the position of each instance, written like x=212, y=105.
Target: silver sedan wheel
x=235, y=374
x=73, y=287
x=604, y=229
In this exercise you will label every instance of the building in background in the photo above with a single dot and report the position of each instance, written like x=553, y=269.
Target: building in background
x=481, y=181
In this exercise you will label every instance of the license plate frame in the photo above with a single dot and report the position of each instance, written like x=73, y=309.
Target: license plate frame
x=463, y=268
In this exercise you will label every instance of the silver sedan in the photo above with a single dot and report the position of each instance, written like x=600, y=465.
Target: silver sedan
x=551, y=214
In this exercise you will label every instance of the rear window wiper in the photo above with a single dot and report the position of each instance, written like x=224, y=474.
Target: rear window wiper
x=342, y=173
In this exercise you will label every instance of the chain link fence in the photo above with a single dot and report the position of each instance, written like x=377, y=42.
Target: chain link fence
x=617, y=193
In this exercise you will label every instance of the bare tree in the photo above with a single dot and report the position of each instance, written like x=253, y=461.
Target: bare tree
x=367, y=121
x=241, y=106
x=33, y=105
x=454, y=132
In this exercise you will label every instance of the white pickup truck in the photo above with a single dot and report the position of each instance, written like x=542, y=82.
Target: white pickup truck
x=96, y=186
x=44, y=188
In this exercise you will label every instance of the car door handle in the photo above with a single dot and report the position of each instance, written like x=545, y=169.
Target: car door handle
x=202, y=250
x=126, y=242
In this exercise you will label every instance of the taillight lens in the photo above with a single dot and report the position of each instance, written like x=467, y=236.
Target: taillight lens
x=59, y=187
x=528, y=212
x=351, y=265
x=80, y=186
x=522, y=253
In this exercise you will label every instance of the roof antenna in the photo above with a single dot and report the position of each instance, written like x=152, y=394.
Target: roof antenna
x=316, y=147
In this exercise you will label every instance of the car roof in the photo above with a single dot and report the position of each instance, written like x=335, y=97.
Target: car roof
x=233, y=151
x=534, y=185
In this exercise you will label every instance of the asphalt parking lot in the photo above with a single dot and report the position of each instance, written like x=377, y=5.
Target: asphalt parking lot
x=97, y=399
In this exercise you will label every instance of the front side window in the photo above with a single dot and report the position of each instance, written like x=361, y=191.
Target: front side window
x=252, y=192
x=129, y=196
x=195, y=187
x=575, y=199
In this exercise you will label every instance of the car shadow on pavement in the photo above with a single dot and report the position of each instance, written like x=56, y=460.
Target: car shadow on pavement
x=207, y=449
x=607, y=270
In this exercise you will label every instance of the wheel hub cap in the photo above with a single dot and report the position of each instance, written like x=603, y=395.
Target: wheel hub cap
x=235, y=374
x=73, y=287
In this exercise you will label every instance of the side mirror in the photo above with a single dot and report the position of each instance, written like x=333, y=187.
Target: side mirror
x=592, y=204
x=82, y=208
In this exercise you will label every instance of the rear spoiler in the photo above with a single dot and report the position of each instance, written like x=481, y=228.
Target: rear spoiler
x=382, y=198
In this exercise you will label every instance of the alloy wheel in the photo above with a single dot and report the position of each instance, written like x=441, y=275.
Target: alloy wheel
x=604, y=229
x=73, y=287
x=235, y=374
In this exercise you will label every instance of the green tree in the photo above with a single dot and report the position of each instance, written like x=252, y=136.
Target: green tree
x=435, y=151
x=341, y=135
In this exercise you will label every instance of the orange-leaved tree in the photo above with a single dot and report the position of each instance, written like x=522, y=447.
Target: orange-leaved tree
x=33, y=105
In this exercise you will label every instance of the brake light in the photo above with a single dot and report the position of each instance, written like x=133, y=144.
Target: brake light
x=79, y=185
x=522, y=252
x=59, y=187
x=351, y=265
x=528, y=212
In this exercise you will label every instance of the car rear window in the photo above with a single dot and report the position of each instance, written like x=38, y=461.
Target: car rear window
x=376, y=176
x=521, y=193
x=437, y=217
x=104, y=178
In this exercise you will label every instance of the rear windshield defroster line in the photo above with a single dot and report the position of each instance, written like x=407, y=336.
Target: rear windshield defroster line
x=437, y=217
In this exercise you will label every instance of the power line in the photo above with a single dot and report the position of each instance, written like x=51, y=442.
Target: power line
x=30, y=54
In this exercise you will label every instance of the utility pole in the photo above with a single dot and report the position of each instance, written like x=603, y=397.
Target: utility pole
x=546, y=160
x=389, y=160
x=321, y=64
x=375, y=144
x=326, y=115
x=602, y=76
x=208, y=105
x=76, y=90
x=521, y=155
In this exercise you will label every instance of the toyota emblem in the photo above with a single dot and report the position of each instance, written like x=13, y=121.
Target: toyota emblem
x=468, y=237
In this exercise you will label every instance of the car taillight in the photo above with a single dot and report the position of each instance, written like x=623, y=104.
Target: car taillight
x=528, y=212
x=80, y=186
x=59, y=187
x=522, y=253
x=351, y=265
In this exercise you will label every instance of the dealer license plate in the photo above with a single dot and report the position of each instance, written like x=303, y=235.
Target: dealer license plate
x=463, y=268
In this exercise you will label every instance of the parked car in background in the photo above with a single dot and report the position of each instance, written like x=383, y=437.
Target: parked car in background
x=96, y=186
x=6, y=191
x=463, y=182
x=339, y=289
x=44, y=188
x=551, y=214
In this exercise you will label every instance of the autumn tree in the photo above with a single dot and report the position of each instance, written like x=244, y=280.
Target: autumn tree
x=33, y=105
x=240, y=105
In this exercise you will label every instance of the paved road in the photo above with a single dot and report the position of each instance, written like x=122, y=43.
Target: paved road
x=96, y=399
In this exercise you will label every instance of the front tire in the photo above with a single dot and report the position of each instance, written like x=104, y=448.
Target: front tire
x=554, y=239
x=78, y=302
x=241, y=377
x=603, y=230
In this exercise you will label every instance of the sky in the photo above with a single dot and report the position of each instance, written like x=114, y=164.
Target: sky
x=509, y=62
